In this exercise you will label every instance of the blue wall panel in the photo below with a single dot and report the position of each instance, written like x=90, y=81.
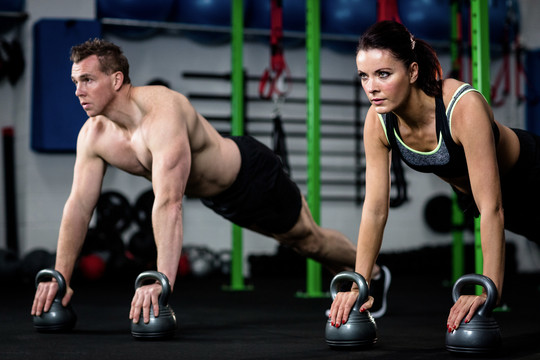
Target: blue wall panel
x=57, y=115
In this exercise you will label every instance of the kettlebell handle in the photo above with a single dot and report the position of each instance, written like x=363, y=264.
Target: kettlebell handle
x=486, y=283
x=165, y=285
x=345, y=276
x=51, y=273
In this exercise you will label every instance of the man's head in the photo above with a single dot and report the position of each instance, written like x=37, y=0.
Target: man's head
x=110, y=56
x=100, y=72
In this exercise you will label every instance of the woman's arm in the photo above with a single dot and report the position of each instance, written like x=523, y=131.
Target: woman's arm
x=377, y=198
x=374, y=214
x=472, y=128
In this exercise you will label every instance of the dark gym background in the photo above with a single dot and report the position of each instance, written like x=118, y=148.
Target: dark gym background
x=268, y=321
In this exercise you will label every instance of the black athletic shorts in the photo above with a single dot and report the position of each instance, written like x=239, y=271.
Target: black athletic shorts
x=520, y=189
x=262, y=194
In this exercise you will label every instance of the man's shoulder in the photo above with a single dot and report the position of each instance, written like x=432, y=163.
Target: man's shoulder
x=94, y=128
x=98, y=122
x=155, y=93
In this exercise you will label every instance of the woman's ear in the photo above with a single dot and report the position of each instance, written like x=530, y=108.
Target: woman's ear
x=413, y=72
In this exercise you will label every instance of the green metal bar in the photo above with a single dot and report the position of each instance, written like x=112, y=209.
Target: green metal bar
x=480, y=47
x=237, y=128
x=458, y=251
x=481, y=81
x=313, y=47
x=237, y=77
x=313, y=80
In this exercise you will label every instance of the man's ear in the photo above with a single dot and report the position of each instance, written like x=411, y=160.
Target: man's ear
x=118, y=80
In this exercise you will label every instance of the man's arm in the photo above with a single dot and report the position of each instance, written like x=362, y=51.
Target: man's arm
x=171, y=162
x=87, y=179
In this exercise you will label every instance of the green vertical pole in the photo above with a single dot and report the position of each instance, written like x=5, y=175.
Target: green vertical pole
x=481, y=81
x=454, y=31
x=313, y=47
x=237, y=127
x=458, y=249
x=458, y=252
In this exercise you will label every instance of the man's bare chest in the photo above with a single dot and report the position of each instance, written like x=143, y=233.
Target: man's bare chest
x=130, y=154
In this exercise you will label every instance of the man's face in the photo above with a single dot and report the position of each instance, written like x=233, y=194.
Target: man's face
x=94, y=88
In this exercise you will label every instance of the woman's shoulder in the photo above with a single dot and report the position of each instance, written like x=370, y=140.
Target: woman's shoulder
x=449, y=88
x=454, y=90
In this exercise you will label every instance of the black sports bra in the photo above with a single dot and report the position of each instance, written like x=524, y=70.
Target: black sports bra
x=448, y=158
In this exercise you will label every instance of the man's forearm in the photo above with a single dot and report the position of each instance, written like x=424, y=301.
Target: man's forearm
x=70, y=241
x=168, y=233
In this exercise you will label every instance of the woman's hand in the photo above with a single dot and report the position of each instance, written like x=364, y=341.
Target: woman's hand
x=464, y=309
x=342, y=305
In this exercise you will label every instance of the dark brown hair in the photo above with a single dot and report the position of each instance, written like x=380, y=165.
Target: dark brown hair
x=394, y=37
x=110, y=56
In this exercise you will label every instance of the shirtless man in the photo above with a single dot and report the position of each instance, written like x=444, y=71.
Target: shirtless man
x=154, y=132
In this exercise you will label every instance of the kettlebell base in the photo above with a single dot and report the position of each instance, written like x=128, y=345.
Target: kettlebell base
x=162, y=327
x=350, y=344
x=153, y=335
x=55, y=328
x=471, y=350
x=48, y=323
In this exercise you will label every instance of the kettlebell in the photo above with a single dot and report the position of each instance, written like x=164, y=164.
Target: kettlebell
x=360, y=330
x=59, y=318
x=161, y=326
x=482, y=334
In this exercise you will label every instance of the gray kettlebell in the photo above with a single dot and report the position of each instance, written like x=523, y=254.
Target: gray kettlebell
x=59, y=318
x=360, y=329
x=161, y=326
x=482, y=334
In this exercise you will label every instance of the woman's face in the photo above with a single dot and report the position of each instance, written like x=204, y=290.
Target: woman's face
x=385, y=79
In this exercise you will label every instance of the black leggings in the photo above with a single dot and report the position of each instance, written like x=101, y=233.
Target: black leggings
x=520, y=190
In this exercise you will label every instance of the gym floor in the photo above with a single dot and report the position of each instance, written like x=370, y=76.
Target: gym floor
x=268, y=322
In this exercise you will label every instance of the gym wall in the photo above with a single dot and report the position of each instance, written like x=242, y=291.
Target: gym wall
x=44, y=179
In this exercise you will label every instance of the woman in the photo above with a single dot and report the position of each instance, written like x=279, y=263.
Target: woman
x=444, y=127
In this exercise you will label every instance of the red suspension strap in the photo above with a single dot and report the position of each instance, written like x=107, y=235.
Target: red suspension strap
x=275, y=80
x=520, y=73
x=388, y=10
x=502, y=78
x=510, y=34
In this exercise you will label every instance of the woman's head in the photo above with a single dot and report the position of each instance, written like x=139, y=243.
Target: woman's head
x=397, y=40
x=110, y=56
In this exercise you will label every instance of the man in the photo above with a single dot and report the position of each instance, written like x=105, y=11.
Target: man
x=154, y=132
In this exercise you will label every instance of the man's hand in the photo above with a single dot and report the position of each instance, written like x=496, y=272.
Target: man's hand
x=45, y=294
x=145, y=296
